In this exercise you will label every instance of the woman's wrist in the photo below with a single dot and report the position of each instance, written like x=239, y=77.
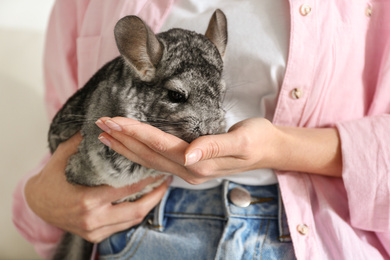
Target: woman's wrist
x=310, y=150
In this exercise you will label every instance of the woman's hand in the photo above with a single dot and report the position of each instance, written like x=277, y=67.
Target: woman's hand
x=85, y=211
x=250, y=144
x=245, y=147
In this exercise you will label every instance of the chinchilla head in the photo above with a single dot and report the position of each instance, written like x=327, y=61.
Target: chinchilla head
x=177, y=75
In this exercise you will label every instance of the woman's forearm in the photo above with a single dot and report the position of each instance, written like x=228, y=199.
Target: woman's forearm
x=311, y=150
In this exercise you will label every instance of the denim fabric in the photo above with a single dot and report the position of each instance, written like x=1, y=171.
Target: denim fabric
x=204, y=224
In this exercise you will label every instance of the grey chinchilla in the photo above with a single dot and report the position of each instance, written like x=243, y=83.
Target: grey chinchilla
x=171, y=80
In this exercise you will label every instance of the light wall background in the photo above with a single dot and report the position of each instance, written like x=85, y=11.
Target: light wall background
x=23, y=118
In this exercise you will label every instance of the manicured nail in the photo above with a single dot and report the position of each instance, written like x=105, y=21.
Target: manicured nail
x=102, y=126
x=113, y=126
x=104, y=141
x=193, y=157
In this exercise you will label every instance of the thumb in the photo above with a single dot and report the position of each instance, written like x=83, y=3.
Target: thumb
x=210, y=146
x=69, y=147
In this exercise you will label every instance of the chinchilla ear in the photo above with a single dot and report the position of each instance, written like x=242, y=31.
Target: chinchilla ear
x=139, y=46
x=217, y=31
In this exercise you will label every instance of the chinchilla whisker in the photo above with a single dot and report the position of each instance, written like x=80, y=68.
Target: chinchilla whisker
x=80, y=122
x=229, y=105
x=164, y=123
x=80, y=119
x=70, y=119
x=73, y=115
x=76, y=121
x=156, y=124
x=160, y=120
x=234, y=85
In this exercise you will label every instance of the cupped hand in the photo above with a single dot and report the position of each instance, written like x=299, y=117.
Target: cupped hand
x=254, y=143
x=246, y=146
x=86, y=211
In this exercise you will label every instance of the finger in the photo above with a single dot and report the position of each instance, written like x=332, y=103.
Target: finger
x=140, y=208
x=140, y=153
x=61, y=155
x=214, y=146
x=169, y=145
x=106, y=194
x=217, y=167
x=131, y=148
x=118, y=217
x=99, y=235
x=69, y=147
x=206, y=170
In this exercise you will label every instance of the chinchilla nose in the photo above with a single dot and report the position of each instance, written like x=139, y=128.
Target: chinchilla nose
x=210, y=125
x=207, y=128
x=201, y=130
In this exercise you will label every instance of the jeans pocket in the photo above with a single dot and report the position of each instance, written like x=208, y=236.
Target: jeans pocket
x=123, y=243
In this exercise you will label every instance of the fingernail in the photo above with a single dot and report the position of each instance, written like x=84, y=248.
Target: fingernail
x=113, y=126
x=102, y=126
x=104, y=141
x=193, y=157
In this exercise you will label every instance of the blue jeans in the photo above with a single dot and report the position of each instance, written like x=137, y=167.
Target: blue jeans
x=207, y=224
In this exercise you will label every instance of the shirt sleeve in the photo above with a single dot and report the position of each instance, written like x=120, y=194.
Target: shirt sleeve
x=41, y=235
x=60, y=58
x=60, y=68
x=365, y=145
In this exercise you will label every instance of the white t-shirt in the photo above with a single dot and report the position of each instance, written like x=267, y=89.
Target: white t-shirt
x=255, y=62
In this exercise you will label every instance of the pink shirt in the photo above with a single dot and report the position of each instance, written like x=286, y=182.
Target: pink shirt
x=339, y=60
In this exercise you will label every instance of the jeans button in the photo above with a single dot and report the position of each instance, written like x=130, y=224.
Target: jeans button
x=240, y=197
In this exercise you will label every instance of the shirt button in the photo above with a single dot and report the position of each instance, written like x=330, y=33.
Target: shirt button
x=305, y=9
x=369, y=11
x=240, y=197
x=296, y=93
x=303, y=229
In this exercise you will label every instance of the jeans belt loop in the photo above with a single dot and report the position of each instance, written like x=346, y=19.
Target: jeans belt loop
x=284, y=232
x=225, y=198
x=158, y=216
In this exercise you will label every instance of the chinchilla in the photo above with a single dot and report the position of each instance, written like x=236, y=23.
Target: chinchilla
x=171, y=80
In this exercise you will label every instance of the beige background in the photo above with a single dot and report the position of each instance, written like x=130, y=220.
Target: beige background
x=23, y=119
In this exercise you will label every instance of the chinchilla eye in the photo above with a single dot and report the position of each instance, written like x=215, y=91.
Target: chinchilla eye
x=176, y=97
